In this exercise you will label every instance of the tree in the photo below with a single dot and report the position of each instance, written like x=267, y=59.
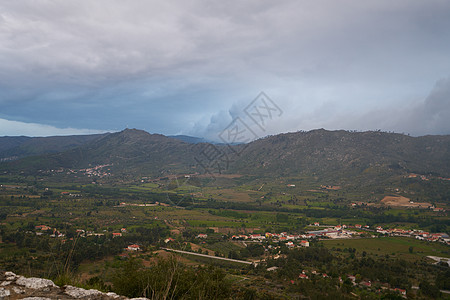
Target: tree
x=429, y=290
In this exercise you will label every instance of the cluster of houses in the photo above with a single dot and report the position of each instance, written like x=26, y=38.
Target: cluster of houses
x=437, y=209
x=41, y=229
x=418, y=234
x=119, y=234
x=289, y=239
x=83, y=233
x=368, y=284
x=341, y=231
x=92, y=172
x=423, y=177
x=338, y=227
x=364, y=283
x=69, y=194
x=304, y=274
x=336, y=232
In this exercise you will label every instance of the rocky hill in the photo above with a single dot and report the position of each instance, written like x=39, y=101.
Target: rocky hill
x=12, y=147
x=342, y=153
x=130, y=151
x=14, y=287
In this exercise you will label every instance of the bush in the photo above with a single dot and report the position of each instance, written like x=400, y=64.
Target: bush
x=168, y=278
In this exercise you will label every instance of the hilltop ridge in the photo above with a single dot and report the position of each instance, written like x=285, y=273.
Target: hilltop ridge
x=327, y=154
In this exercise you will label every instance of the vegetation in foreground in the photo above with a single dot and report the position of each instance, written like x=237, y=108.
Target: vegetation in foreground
x=78, y=233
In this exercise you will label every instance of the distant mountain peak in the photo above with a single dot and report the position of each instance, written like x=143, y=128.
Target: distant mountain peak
x=133, y=131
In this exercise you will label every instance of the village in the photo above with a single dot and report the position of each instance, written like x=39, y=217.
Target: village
x=291, y=240
x=288, y=240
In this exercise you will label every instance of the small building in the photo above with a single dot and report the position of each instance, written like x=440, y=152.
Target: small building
x=239, y=237
x=43, y=227
x=401, y=291
x=134, y=247
x=304, y=243
x=123, y=230
x=257, y=237
x=202, y=236
x=116, y=234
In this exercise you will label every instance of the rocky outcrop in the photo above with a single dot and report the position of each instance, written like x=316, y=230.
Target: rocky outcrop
x=14, y=287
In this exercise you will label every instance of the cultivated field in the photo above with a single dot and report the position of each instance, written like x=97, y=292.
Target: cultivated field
x=400, y=201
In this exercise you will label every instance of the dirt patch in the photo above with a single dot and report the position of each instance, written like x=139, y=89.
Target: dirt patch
x=400, y=201
x=175, y=231
x=165, y=255
x=195, y=248
x=331, y=187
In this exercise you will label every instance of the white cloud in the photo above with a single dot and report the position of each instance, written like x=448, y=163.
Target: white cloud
x=14, y=128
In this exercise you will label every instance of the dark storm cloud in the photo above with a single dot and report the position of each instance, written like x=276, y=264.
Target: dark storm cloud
x=178, y=66
x=429, y=116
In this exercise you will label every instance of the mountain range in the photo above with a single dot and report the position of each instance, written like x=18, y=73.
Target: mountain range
x=329, y=154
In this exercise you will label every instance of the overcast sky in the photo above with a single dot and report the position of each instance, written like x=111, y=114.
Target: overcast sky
x=190, y=67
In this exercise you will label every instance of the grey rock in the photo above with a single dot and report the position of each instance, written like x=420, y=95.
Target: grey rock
x=10, y=276
x=35, y=283
x=76, y=292
x=113, y=295
x=4, y=293
x=18, y=290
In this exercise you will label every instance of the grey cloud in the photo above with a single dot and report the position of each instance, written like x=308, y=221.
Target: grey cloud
x=113, y=60
x=421, y=117
x=433, y=115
